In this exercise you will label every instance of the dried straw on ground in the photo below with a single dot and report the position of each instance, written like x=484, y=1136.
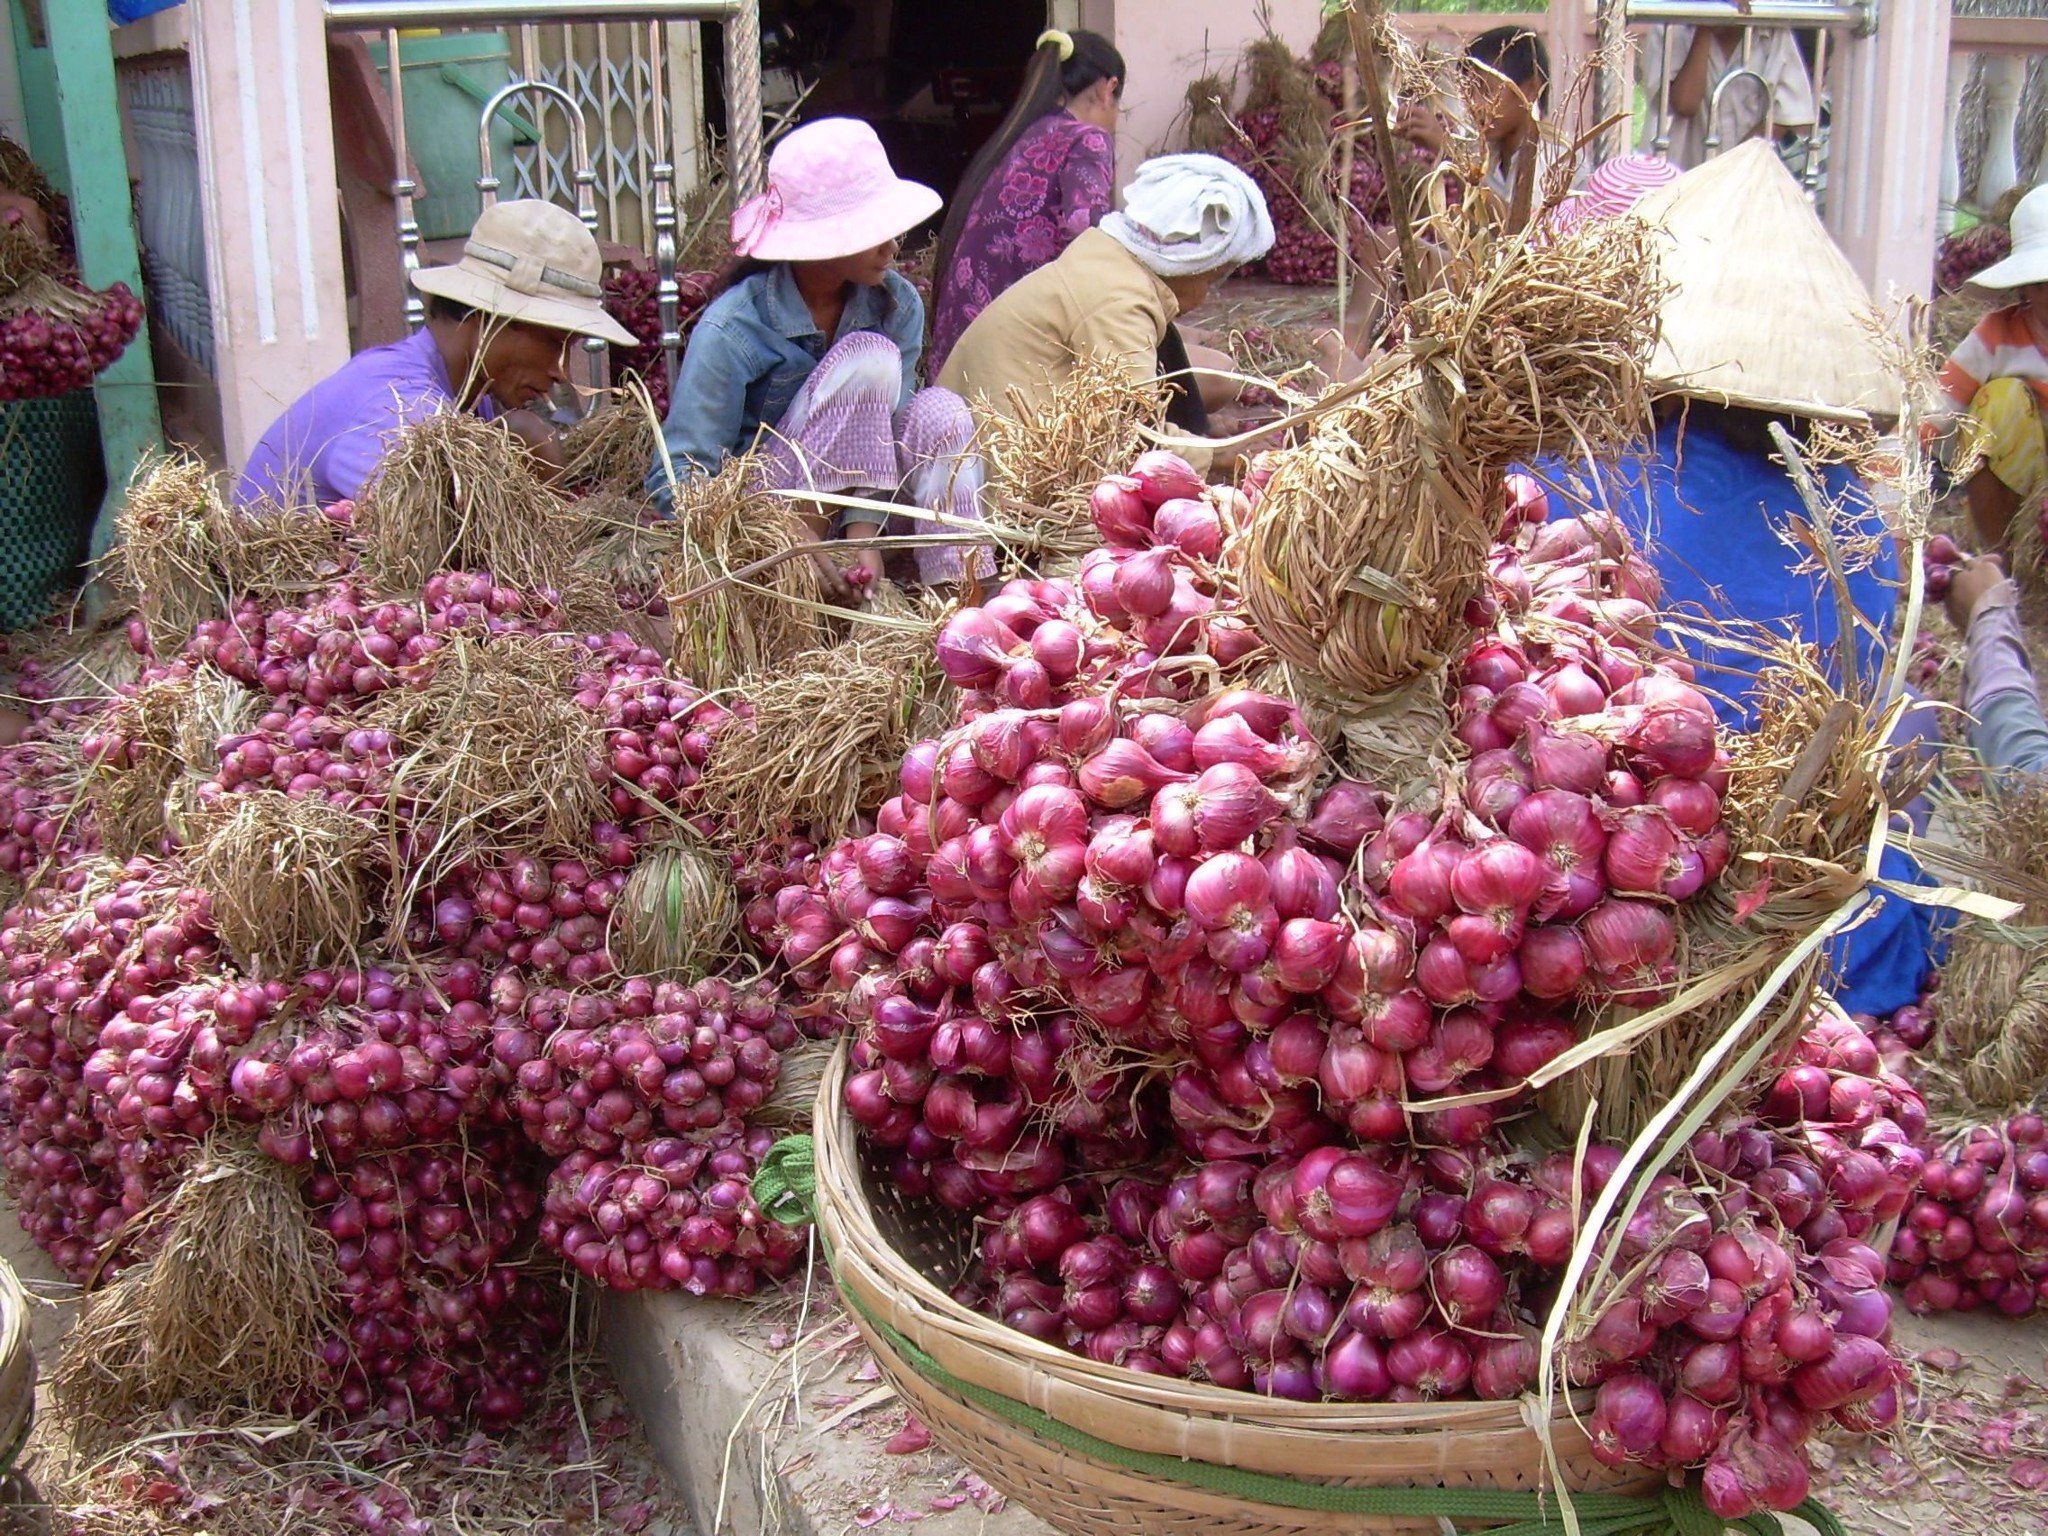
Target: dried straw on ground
x=1373, y=532
x=731, y=627
x=494, y=755
x=827, y=735
x=195, y=1473
x=454, y=492
x=677, y=916
x=1990, y=1050
x=1044, y=460
x=292, y=879
x=227, y=1313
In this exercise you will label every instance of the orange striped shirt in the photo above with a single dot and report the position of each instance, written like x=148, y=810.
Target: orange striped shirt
x=2005, y=345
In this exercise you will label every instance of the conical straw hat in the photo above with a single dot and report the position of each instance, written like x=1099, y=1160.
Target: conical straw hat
x=1765, y=310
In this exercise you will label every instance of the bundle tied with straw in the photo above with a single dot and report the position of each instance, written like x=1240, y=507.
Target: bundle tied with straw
x=826, y=733
x=494, y=754
x=1990, y=1054
x=184, y=554
x=676, y=917
x=152, y=749
x=27, y=265
x=727, y=625
x=455, y=492
x=164, y=559
x=1372, y=533
x=1045, y=458
x=292, y=878
x=612, y=447
x=132, y=759
x=228, y=1312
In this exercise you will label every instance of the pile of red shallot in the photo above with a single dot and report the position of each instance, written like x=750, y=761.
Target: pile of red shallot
x=488, y=1084
x=632, y=297
x=1977, y=1236
x=44, y=354
x=1220, y=1050
x=1304, y=243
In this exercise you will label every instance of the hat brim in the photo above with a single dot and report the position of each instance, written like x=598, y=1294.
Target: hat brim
x=576, y=317
x=2016, y=271
x=885, y=216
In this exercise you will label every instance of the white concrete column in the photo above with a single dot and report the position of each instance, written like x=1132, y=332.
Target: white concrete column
x=273, y=232
x=1884, y=188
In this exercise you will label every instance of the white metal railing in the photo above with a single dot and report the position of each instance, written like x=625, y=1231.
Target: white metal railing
x=651, y=21
x=156, y=97
x=1829, y=21
x=1992, y=60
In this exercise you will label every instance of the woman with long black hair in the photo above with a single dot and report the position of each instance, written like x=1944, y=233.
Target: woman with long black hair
x=1045, y=175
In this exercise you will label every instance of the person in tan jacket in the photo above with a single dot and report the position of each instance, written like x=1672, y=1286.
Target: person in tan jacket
x=1188, y=222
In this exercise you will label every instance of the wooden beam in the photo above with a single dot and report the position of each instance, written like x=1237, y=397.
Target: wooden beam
x=103, y=225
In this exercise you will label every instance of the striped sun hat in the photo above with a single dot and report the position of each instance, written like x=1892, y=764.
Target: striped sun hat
x=1615, y=187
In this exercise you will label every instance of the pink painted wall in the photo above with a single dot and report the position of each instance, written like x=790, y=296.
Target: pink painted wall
x=1170, y=43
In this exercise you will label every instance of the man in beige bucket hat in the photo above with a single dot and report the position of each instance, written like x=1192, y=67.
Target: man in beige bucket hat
x=499, y=324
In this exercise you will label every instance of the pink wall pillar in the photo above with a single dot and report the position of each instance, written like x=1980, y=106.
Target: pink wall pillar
x=1884, y=175
x=273, y=235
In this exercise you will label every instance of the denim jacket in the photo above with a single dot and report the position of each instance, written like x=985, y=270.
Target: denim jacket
x=750, y=354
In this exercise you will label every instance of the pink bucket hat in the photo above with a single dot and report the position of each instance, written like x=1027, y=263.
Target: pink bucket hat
x=1615, y=187
x=831, y=193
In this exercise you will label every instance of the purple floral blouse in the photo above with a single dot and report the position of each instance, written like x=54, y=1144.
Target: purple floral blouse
x=1056, y=181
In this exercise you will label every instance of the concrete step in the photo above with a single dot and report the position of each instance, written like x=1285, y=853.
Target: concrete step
x=712, y=1384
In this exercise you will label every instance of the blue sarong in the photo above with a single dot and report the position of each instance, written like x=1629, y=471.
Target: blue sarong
x=1714, y=520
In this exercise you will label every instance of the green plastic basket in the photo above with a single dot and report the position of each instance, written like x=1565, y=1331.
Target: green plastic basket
x=51, y=483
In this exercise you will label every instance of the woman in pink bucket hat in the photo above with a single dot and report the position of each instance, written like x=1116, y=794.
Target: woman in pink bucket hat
x=808, y=356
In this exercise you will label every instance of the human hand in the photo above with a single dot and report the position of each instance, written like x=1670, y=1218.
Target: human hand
x=837, y=590
x=1971, y=583
x=1421, y=125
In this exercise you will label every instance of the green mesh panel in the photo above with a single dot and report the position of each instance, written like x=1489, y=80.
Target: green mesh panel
x=51, y=482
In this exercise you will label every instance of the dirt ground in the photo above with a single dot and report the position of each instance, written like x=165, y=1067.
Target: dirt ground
x=1975, y=1461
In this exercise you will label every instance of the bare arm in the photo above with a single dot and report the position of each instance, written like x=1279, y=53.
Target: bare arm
x=1690, y=85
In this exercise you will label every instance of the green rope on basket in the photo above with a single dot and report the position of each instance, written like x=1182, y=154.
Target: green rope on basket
x=1676, y=1511
x=786, y=1183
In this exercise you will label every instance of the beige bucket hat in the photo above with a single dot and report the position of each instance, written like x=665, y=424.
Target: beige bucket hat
x=530, y=261
x=1765, y=310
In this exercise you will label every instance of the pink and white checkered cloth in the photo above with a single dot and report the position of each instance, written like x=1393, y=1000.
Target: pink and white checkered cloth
x=843, y=433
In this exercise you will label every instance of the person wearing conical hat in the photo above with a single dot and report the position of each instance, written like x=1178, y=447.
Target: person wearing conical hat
x=1998, y=378
x=1765, y=322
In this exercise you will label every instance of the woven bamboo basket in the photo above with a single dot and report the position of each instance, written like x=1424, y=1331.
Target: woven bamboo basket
x=894, y=1262
x=17, y=1368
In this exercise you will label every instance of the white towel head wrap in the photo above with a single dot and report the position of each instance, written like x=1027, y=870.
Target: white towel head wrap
x=1189, y=214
